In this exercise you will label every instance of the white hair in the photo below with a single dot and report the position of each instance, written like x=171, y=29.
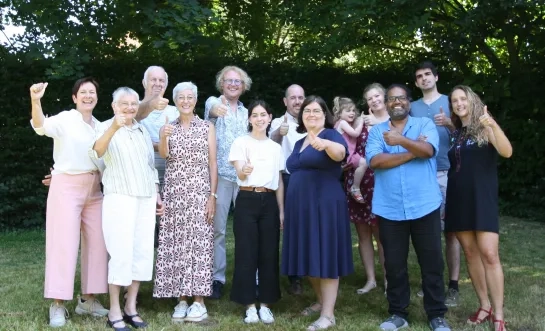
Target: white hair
x=148, y=70
x=121, y=91
x=184, y=86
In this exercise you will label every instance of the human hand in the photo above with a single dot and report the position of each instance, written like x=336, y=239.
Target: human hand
x=392, y=137
x=284, y=127
x=47, y=178
x=159, y=102
x=119, y=120
x=37, y=91
x=160, y=207
x=316, y=142
x=222, y=108
x=422, y=138
x=247, y=168
x=487, y=120
x=370, y=119
x=441, y=118
x=210, y=209
x=167, y=129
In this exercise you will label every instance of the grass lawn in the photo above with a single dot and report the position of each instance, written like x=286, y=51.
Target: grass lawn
x=522, y=246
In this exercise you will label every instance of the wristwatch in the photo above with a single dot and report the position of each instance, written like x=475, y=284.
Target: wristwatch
x=214, y=195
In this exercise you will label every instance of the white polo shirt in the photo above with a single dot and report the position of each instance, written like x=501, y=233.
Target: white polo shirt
x=289, y=140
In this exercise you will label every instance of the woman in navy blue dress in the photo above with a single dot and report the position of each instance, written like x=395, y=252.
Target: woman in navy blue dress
x=317, y=241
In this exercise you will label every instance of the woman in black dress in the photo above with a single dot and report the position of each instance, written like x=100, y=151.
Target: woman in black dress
x=472, y=198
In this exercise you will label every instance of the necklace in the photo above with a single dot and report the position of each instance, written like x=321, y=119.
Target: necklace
x=462, y=137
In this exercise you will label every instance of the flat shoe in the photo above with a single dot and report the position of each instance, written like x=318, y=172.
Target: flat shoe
x=135, y=324
x=118, y=328
x=309, y=311
x=367, y=288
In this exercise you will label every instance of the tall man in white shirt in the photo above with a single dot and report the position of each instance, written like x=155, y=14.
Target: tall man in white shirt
x=283, y=131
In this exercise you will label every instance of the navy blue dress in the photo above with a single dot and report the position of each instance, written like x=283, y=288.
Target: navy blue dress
x=317, y=240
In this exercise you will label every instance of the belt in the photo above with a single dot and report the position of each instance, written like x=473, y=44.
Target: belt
x=255, y=189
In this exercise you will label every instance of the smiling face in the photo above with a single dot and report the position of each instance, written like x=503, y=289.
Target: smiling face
x=127, y=104
x=156, y=82
x=375, y=99
x=293, y=100
x=425, y=80
x=259, y=119
x=348, y=113
x=232, y=85
x=397, y=103
x=86, y=98
x=185, y=101
x=313, y=116
x=459, y=103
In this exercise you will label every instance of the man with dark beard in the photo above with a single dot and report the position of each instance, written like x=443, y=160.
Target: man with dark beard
x=407, y=202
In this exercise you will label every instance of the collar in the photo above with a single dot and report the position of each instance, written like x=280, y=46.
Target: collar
x=76, y=112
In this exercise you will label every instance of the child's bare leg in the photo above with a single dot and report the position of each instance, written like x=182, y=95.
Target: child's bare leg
x=358, y=174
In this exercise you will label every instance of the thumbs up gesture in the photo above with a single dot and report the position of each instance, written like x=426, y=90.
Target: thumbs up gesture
x=317, y=143
x=441, y=118
x=119, y=120
x=487, y=120
x=247, y=168
x=37, y=91
x=166, y=129
x=284, y=127
x=392, y=137
x=222, y=108
x=159, y=103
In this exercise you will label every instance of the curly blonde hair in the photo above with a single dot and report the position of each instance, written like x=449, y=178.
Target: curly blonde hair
x=475, y=129
x=246, y=80
x=340, y=104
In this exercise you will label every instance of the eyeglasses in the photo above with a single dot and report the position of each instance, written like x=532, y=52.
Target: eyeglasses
x=400, y=98
x=126, y=104
x=188, y=98
x=312, y=111
x=235, y=82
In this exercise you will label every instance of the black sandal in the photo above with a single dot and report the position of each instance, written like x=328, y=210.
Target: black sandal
x=135, y=324
x=118, y=328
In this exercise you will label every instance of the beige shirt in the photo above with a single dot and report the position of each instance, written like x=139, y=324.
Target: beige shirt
x=72, y=137
x=129, y=161
x=266, y=157
x=289, y=140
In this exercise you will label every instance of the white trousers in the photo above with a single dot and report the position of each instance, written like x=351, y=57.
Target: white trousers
x=128, y=224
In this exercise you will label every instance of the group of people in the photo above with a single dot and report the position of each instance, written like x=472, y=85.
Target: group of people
x=411, y=170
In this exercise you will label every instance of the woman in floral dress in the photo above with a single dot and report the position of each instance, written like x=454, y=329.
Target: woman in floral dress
x=186, y=233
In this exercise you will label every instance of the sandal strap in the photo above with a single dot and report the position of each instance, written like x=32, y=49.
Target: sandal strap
x=131, y=316
x=475, y=317
x=114, y=322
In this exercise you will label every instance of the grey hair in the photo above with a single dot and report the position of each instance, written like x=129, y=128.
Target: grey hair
x=119, y=92
x=184, y=86
x=246, y=80
x=148, y=70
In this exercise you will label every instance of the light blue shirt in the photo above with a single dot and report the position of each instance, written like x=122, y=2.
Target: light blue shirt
x=228, y=128
x=421, y=109
x=156, y=119
x=408, y=191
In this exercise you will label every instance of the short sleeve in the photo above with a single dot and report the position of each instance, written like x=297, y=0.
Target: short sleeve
x=237, y=152
x=335, y=136
x=374, y=145
x=280, y=157
x=101, y=128
x=430, y=131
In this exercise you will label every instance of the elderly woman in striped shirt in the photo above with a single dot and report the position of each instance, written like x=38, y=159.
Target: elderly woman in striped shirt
x=130, y=203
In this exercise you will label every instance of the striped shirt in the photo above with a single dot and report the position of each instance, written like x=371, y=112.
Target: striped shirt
x=129, y=161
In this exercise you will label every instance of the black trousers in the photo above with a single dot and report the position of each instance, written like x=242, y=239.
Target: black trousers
x=426, y=237
x=286, y=181
x=257, y=234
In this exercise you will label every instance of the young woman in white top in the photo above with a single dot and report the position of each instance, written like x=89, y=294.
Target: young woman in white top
x=259, y=215
x=74, y=204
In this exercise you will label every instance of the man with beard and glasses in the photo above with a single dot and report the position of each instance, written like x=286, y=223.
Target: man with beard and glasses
x=284, y=132
x=407, y=203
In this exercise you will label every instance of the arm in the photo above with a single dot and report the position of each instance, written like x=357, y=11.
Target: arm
x=499, y=140
x=212, y=158
x=275, y=132
x=280, y=199
x=36, y=93
x=352, y=132
x=214, y=108
x=101, y=144
x=335, y=151
x=421, y=149
x=149, y=104
x=388, y=161
x=239, y=166
x=163, y=144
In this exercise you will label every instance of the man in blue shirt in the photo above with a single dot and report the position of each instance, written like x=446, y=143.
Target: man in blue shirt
x=435, y=106
x=407, y=202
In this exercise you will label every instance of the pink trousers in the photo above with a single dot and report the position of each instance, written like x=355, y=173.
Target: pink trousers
x=74, y=210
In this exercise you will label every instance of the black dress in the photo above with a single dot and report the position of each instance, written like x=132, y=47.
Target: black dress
x=472, y=189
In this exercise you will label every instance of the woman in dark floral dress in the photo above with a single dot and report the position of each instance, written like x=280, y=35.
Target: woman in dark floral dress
x=186, y=233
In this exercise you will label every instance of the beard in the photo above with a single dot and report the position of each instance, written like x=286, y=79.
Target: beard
x=398, y=114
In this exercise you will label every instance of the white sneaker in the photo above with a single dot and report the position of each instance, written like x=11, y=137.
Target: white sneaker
x=180, y=311
x=57, y=315
x=251, y=315
x=91, y=307
x=196, y=313
x=266, y=315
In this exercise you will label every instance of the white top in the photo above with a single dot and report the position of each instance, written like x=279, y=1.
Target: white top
x=72, y=137
x=156, y=119
x=289, y=140
x=266, y=157
x=129, y=161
